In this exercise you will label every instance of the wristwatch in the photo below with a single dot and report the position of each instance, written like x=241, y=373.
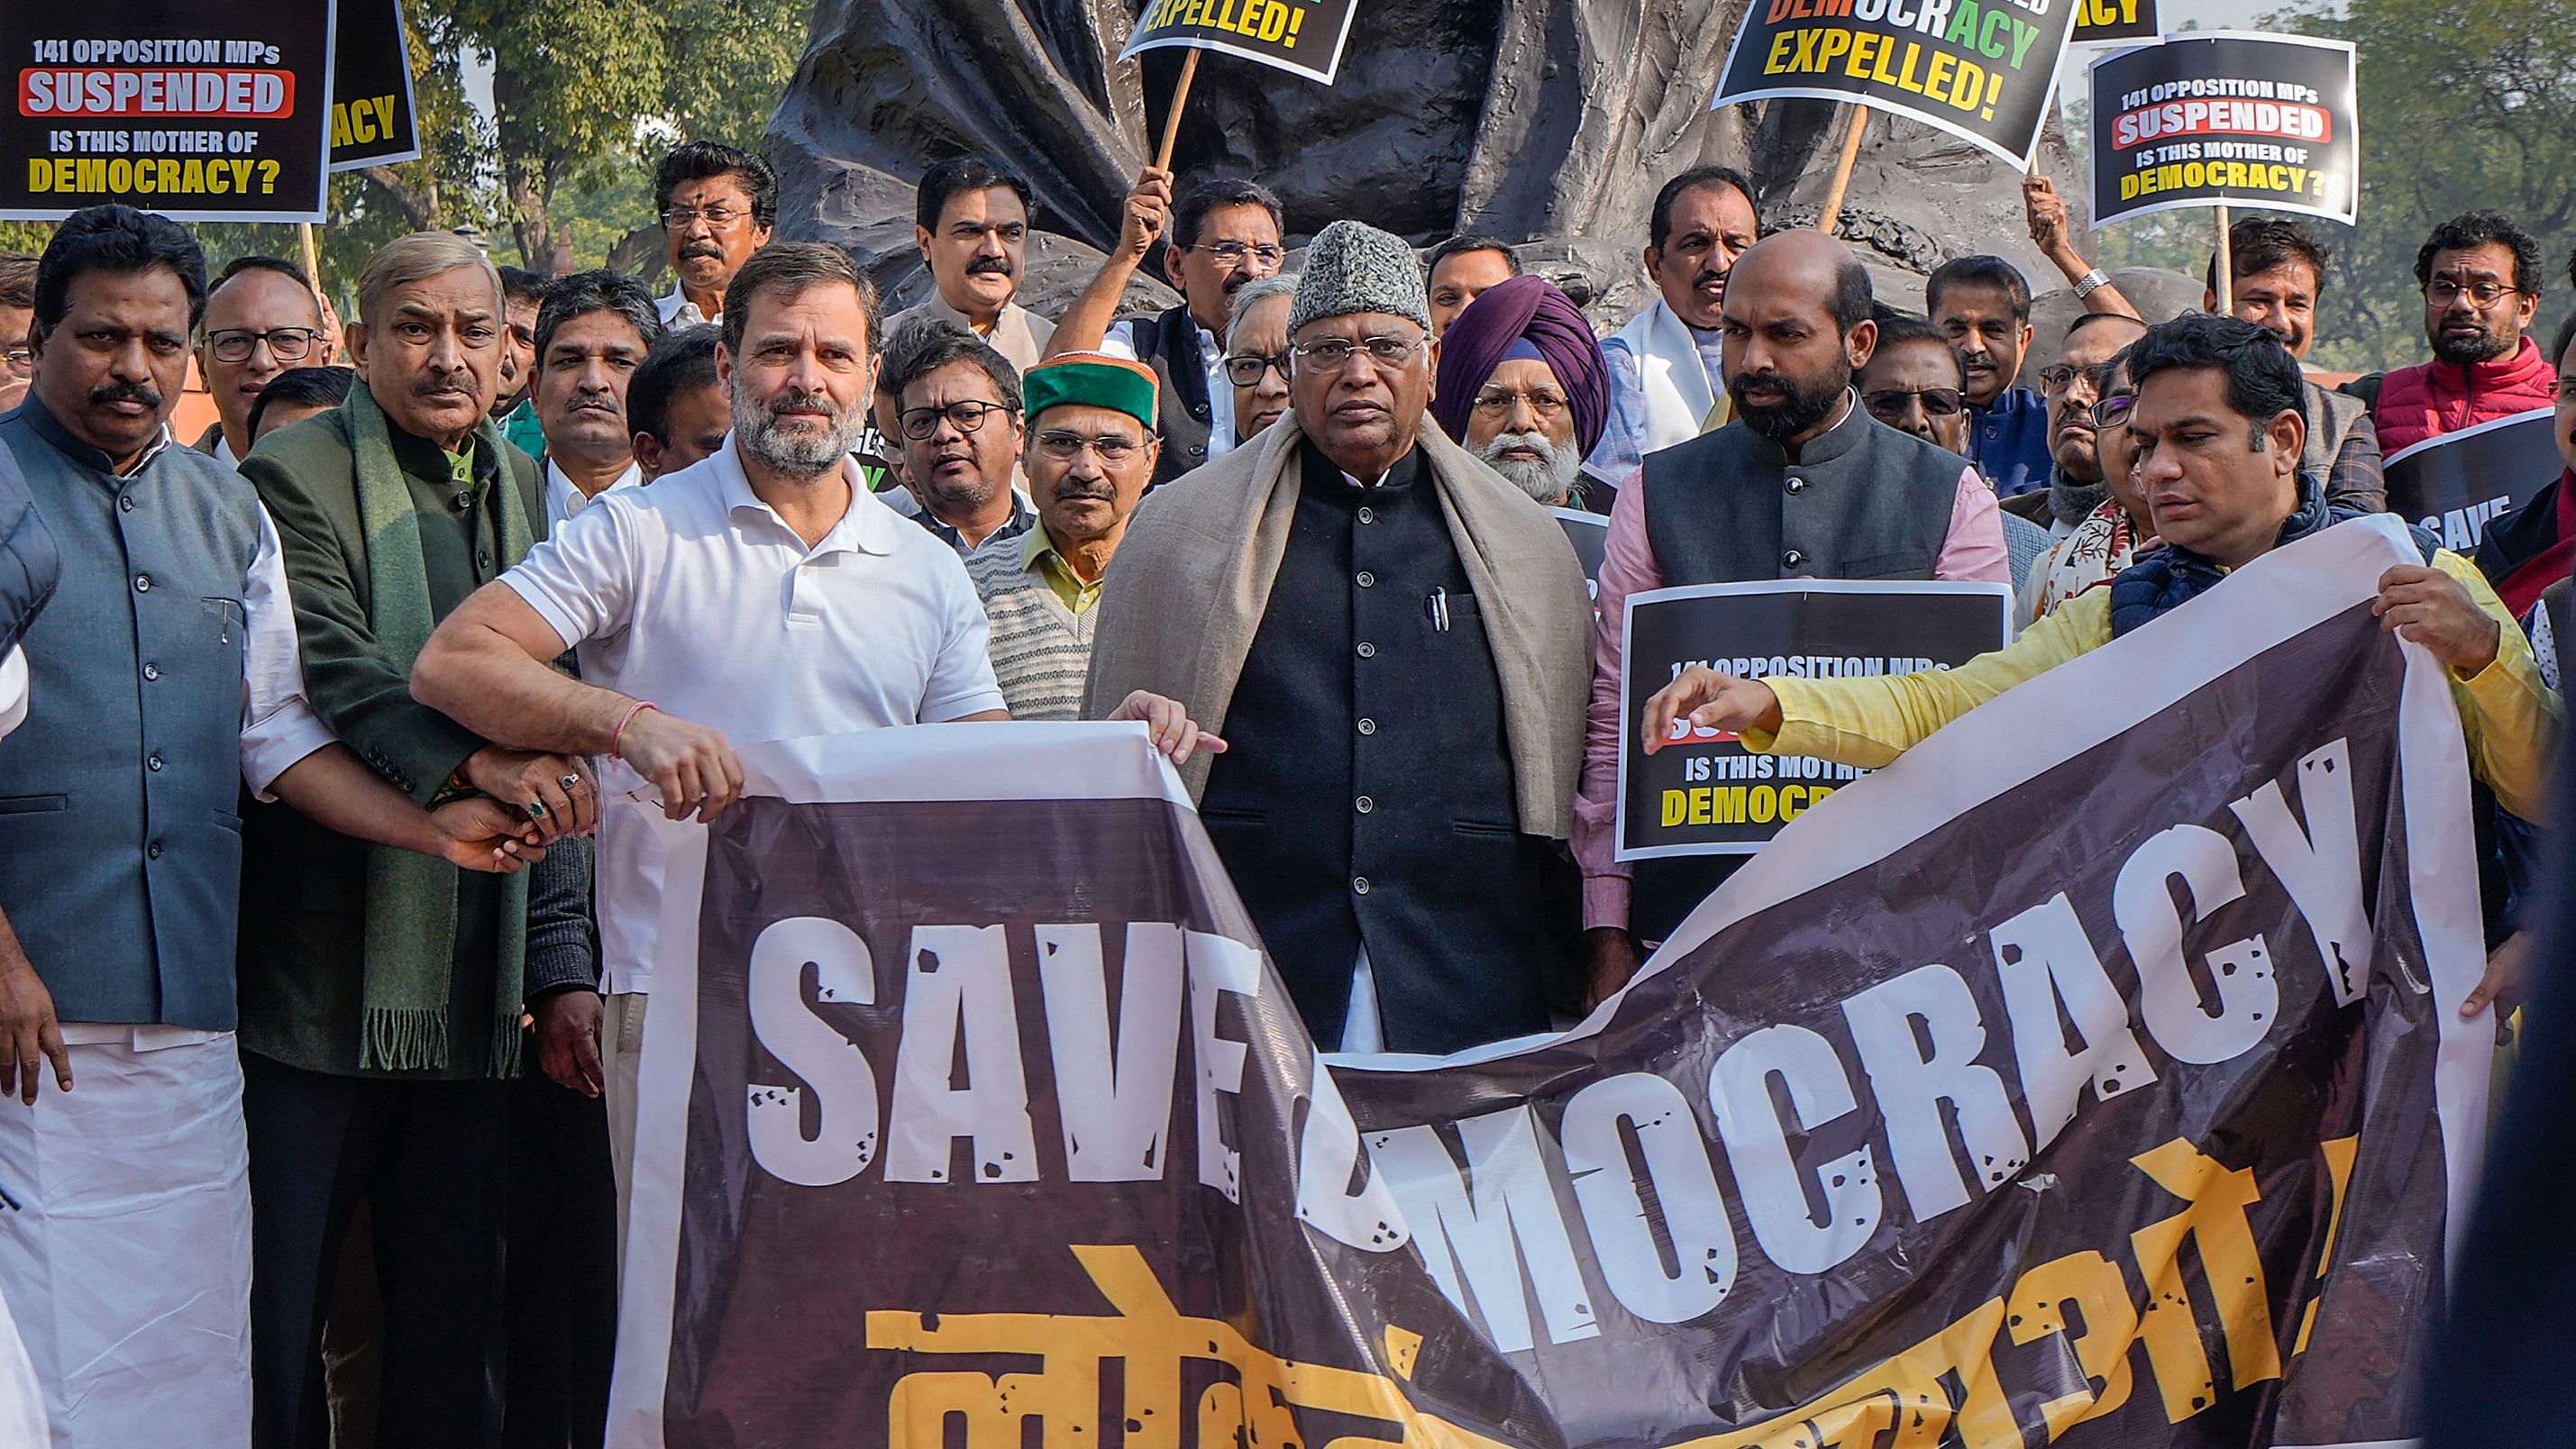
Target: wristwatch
x=2091, y=282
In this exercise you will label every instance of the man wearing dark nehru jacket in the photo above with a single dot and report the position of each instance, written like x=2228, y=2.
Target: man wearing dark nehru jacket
x=1803, y=484
x=1393, y=641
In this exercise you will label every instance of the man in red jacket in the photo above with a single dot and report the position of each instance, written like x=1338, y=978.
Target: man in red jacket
x=2481, y=278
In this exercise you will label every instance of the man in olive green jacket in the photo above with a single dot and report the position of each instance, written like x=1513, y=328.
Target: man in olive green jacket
x=381, y=1000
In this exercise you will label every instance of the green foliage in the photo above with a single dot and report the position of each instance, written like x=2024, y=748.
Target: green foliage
x=2462, y=106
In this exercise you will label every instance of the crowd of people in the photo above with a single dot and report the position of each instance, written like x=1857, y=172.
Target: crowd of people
x=325, y=1016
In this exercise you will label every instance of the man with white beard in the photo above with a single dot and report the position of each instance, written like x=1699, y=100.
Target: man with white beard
x=1522, y=386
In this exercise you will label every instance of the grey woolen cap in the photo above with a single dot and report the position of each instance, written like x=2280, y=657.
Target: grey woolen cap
x=1353, y=267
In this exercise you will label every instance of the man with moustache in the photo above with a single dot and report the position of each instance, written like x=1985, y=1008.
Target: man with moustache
x=1803, y=484
x=676, y=403
x=1224, y=235
x=2278, y=267
x=1256, y=353
x=1912, y=383
x=1982, y=305
x=1665, y=372
x=958, y=414
x=381, y=1001
x=1392, y=641
x=167, y=678
x=1090, y=453
x=1522, y=386
x=261, y=319
x=716, y=205
x=592, y=335
x=971, y=221
x=2481, y=277
x=2071, y=386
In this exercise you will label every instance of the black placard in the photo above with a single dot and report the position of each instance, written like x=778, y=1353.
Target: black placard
x=372, y=122
x=1302, y=37
x=2226, y=119
x=1984, y=73
x=1706, y=794
x=197, y=112
x=2454, y=483
x=2115, y=22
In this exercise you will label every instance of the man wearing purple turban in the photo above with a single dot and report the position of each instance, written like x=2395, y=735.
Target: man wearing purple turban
x=1523, y=386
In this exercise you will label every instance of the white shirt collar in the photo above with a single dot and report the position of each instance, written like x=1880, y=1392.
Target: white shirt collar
x=861, y=529
x=565, y=498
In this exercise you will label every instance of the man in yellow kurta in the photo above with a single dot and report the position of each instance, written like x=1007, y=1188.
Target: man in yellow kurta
x=2217, y=430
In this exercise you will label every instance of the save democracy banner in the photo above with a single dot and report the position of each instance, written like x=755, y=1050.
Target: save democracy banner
x=198, y=112
x=2226, y=118
x=2093, y=1074
x=1986, y=73
x=1302, y=37
x=2455, y=483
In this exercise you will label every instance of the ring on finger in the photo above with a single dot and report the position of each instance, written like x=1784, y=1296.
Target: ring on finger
x=570, y=783
x=536, y=809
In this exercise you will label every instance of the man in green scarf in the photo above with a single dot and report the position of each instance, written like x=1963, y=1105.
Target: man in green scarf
x=381, y=994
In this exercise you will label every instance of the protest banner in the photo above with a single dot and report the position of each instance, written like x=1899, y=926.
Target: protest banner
x=200, y=113
x=1704, y=793
x=372, y=122
x=2454, y=483
x=2116, y=22
x=1983, y=73
x=2225, y=117
x=2092, y=1075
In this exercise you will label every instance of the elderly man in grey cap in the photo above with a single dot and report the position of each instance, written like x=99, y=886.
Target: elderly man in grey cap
x=1394, y=642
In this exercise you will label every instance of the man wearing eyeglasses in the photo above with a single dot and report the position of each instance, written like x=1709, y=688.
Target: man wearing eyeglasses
x=1393, y=642
x=716, y=204
x=261, y=319
x=1223, y=236
x=2072, y=386
x=1256, y=353
x=1523, y=385
x=1091, y=450
x=17, y=320
x=2481, y=276
x=958, y=410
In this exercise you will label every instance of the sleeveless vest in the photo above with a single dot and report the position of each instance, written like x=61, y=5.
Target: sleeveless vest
x=1183, y=409
x=30, y=565
x=1864, y=501
x=120, y=841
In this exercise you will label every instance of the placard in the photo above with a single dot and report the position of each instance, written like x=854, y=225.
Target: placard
x=197, y=112
x=372, y=121
x=1984, y=73
x=2226, y=118
x=2455, y=483
x=1704, y=793
x=1301, y=37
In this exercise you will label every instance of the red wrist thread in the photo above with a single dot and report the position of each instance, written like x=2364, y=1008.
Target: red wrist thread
x=614, y=735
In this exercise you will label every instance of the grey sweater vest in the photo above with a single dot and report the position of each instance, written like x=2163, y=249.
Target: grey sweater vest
x=1041, y=650
x=1862, y=502
x=120, y=848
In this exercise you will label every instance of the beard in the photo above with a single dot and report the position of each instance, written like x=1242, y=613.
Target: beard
x=1810, y=401
x=2463, y=350
x=1548, y=477
x=799, y=455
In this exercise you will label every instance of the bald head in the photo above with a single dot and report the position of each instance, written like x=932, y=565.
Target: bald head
x=1797, y=325
x=1811, y=270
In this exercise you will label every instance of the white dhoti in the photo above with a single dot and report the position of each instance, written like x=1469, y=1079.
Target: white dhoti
x=127, y=1263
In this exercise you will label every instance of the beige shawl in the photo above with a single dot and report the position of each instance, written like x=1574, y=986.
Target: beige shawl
x=1187, y=588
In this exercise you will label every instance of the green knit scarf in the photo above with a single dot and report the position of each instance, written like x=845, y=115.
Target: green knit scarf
x=411, y=898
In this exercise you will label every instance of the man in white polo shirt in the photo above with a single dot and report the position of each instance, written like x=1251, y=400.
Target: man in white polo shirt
x=758, y=594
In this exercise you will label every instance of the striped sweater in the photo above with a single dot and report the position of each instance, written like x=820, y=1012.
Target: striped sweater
x=1041, y=649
